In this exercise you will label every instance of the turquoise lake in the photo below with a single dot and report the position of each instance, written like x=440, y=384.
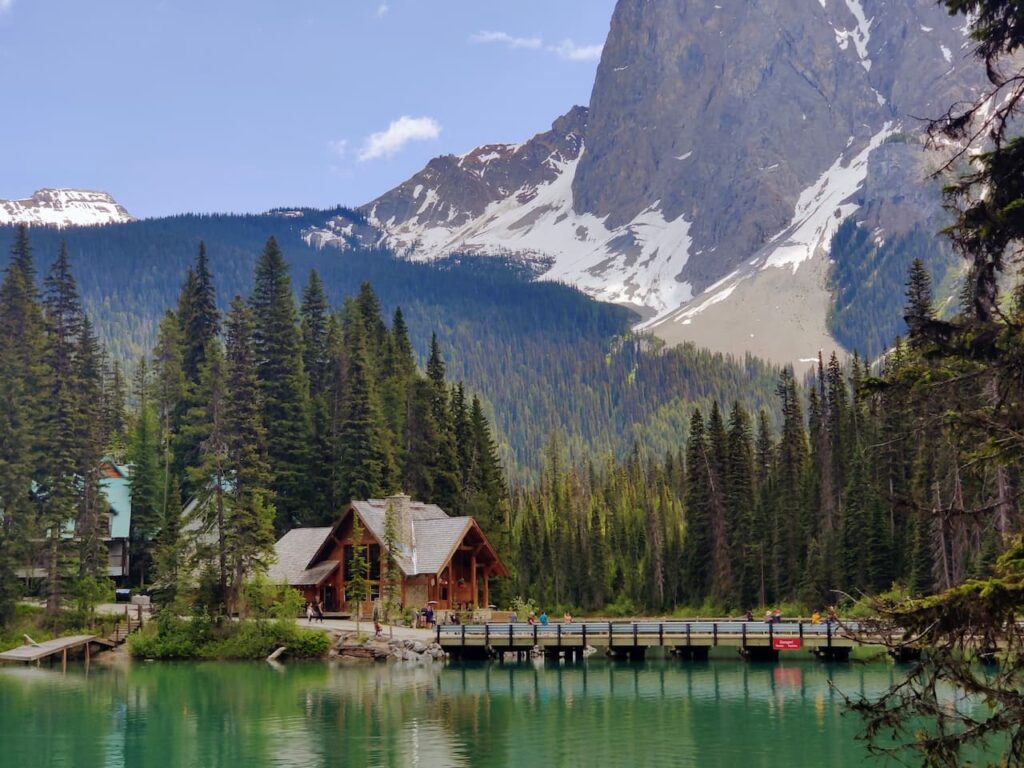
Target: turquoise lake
x=595, y=713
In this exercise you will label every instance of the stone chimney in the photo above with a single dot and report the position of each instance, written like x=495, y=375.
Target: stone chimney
x=400, y=504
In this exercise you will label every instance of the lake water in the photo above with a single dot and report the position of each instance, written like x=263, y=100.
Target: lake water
x=597, y=713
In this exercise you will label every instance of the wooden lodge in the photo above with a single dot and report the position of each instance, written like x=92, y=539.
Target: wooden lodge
x=443, y=560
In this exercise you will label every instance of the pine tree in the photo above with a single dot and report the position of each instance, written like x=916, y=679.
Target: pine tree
x=91, y=527
x=146, y=482
x=397, y=374
x=697, y=548
x=391, y=575
x=357, y=587
x=740, y=505
x=422, y=438
x=249, y=527
x=168, y=393
x=485, y=490
x=213, y=476
x=919, y=302
x=716, y=461
x=364, y=463
x=199, y=323
x=316, y=356
x=283, y=385
x=22, y=382
x=445, y=482
x=115, y=411
x=789, y=524
x=63, y=427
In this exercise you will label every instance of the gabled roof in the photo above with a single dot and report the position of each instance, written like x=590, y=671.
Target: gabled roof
x=434, y=533
x=435, y=537
x=294, y=552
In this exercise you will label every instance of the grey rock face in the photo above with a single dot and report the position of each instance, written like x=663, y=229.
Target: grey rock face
x=723, y=138
x=452, y=191
x=760, y=98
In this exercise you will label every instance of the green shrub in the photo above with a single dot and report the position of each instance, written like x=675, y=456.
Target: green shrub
x=174, y=638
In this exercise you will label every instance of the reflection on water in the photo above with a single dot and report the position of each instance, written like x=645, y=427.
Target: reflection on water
x=597, y=713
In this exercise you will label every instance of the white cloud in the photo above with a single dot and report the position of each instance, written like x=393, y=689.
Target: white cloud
x=566, y=49
x=401, y=131
x=339, y=148
x=484, y=36
x=382, y=10
x=569, y=51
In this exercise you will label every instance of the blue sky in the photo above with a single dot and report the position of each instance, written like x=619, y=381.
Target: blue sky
x=244, y=105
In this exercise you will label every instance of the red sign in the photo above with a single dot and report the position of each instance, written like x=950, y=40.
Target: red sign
x=786, y=643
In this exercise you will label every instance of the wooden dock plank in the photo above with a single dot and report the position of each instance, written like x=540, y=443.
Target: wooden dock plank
x=30, y=653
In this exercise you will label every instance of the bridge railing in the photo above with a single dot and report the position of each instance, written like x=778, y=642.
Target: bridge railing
x=497, y=633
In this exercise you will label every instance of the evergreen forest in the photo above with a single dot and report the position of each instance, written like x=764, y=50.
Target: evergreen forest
x=275, y=412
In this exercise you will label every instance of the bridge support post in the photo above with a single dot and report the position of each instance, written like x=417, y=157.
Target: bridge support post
x=760, y=653
x=834, y=653
x=692, y=652
x=905, y=654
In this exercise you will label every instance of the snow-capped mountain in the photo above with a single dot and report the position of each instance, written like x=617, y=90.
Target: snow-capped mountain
x=724, y=143
x=63, y=208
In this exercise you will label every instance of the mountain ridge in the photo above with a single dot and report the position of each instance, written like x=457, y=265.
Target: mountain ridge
x=722, y=143
x=64, y=207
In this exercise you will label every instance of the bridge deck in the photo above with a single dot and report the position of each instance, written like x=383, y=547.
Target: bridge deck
x=30, y=653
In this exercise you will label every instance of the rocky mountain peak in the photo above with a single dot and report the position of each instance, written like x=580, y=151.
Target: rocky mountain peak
x=64, y=208
x=724, y=144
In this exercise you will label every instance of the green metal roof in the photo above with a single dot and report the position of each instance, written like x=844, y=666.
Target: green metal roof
x=119, y=496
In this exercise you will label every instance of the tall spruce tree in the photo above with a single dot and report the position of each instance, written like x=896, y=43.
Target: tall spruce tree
x=146, y=483
x=64, y=426
x=446, y=480
x=698, y=541
x=199, y=321
x=249, y=528
x=364, y=460
x=284, y=387
x=316, y=358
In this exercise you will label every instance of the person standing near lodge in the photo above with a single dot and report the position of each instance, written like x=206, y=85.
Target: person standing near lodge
x=309, y=612
x=319, y=611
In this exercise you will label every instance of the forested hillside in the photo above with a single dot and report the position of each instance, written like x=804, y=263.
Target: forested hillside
x=271, y=415
x=867, y=282
x=871, y=482
x=542, y=356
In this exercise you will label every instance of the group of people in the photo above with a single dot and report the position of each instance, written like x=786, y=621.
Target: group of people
x=533, y=618
x=775, y=617
x=315, y=611
x=830, y=617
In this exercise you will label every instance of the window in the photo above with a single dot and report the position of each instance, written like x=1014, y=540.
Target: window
x=374, y=557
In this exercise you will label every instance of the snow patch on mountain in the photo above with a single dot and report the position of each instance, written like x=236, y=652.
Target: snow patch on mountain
x=637, y=263
x=820, y=209
x=823, y=206
x=63, y=208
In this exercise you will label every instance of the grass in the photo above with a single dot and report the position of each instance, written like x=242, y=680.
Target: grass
x=32, y=620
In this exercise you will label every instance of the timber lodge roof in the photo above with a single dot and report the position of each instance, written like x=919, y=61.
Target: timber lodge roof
x=435, y=537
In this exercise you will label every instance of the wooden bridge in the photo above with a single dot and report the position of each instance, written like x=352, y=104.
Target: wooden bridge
x=689, y=639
